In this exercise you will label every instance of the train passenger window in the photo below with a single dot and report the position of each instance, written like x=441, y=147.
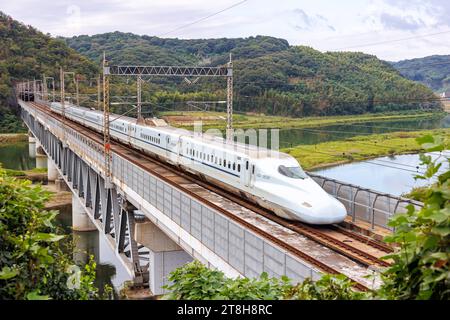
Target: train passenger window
x=229, y=165
x=234, y=166
x=208, y=157
x=246, y=165
x=239, y=168
x=253, y=169
x=224, y=162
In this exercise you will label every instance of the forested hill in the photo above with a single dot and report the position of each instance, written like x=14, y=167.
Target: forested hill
x=270, y=75
x=26, y=53
x=433, y=71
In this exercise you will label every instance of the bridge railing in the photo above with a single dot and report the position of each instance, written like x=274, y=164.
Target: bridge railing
x=364, y=204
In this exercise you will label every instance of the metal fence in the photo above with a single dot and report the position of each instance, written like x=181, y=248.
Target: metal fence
x=364, y=204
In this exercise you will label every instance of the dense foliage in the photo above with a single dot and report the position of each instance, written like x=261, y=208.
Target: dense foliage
x=194, y=281
x=34, y=263
x=26, y=53
x=270, y=76
x=433, y=71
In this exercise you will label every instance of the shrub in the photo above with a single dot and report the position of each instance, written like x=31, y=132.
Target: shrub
x=33, y=261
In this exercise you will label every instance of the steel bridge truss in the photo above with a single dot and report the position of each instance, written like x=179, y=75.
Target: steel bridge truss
x=177, y=71
x=108, y=209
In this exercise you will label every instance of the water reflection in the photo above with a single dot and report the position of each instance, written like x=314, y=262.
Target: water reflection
x=109, y=269
x=16, y=156
x=313, y=135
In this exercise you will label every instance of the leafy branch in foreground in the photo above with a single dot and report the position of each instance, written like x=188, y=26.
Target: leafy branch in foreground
x=34, y=262
x=421, y=265
x=194, y=281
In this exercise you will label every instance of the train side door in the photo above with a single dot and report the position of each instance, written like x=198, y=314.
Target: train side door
x=130, y=133
x=247, y=173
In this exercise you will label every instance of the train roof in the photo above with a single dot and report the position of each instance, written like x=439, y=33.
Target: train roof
x=249, y=150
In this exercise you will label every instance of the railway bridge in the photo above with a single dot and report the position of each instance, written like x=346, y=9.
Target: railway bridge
x=156, y=218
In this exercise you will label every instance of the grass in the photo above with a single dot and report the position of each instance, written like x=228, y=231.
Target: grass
x=360, y=148
x=13, y=137
x=24, y=173
x=217, y=119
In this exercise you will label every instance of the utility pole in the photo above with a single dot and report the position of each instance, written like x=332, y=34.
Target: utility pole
x=34, y=88
x=139, y=100
x=229, y=131
x=106, y=136
x=76, y=89
x=44, y=91
x=53, y=89
x=99, y=93
x=63, y=105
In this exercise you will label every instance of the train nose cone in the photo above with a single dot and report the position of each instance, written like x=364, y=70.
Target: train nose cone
x=328, y=212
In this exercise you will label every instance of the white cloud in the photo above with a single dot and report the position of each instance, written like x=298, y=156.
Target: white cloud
x=322, y=24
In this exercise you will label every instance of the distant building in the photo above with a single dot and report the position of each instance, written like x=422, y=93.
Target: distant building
x=445, y=94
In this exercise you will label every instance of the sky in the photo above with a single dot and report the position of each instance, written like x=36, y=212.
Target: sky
x=390, y=29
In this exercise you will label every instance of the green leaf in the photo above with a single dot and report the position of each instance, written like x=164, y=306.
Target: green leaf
x=48, y=237
x=34, y=295
x=8, y=273
x=442, y=231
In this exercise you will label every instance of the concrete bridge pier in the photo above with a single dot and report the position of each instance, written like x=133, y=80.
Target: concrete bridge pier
x=41, y=156
x=52, y=172
x=165, y=254
x=86, y=243
x=80, y=218
x=31, y=145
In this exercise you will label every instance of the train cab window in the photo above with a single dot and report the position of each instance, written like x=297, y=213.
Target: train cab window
x=292, y=172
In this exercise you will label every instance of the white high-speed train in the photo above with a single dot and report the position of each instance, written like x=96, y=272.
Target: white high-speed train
x=272, y=179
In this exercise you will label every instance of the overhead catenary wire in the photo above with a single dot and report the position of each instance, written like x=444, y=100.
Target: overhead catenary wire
x=201, y=19
x=393, y=40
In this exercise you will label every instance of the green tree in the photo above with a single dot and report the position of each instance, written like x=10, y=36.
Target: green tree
x=34, y=259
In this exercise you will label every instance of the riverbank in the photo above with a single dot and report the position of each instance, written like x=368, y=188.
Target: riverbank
x=36, y=174
x=13, y=138
x=360, y=148
x=217, y=120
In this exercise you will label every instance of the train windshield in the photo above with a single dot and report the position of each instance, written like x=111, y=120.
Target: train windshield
x=292, y=172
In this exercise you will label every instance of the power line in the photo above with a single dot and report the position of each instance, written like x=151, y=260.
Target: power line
x=395, y=40
x=202, y=19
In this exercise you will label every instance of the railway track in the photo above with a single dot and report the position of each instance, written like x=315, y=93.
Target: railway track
x=356, y=247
